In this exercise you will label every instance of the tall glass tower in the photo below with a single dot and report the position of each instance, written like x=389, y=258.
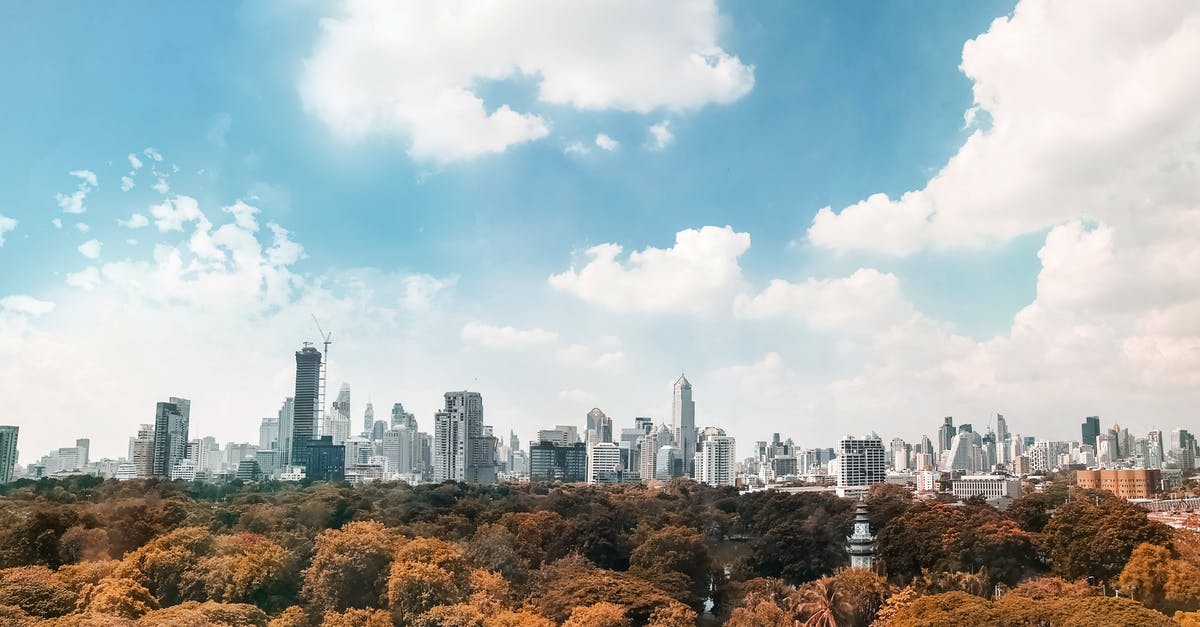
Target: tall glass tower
x=683, y=423
x=304, y=408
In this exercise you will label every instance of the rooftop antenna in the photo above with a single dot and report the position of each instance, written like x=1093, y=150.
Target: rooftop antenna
x=326, y=337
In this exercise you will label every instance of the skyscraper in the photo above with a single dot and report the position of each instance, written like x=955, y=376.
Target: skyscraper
x=304, y=414
x=462, y=451
x=286, y=413
x=599, y=426
x=170, y=435
x=683, y=423
x=141, y=452
x=945, y=435
x=8, y=451
x=337, y=423
x=403, y=418
x=268, y=434
x=1091, y=429
x=862, y=462
x=603, y=462
x=716, y=460
x=368, y=420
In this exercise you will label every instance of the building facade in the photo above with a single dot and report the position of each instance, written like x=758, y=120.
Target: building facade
x=862, y=464
x=603, y=462
x=1128, y=483
x=170, y=435
x=8, y=451
x=683, y=423
x=716, y=460
x=304, y=405
x=551, y=461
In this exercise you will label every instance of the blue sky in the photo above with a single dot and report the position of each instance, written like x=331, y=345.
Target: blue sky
x=835, y=102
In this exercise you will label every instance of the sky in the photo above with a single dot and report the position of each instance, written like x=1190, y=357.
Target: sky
x=835, y=218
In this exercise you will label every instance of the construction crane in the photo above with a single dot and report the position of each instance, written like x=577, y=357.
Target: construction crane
x=327, y=339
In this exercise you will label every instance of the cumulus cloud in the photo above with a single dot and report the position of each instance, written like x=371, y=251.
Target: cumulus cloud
x=7, y=224
x=82, y=227
x=577, y=148
x=1065, y=141
x=496, y=337
x=126, y=183
x=581, y=355
x=73, y=202
x=86, y=279
x=412, y=69
x=135, y=221
x=661, y=135
x=25, y=305
x=699, y=273
x=149, y=152
x=57, y=222
x=606, y=143
x=90, y=249
x=866, y=300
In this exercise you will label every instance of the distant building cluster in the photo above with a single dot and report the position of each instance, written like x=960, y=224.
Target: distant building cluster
x=311, y=439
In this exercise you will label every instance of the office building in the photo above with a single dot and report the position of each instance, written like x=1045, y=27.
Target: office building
x=401, y=418
x=304, y=414
x=8, y=451
x=862, y=463
x=603, y=462
x=551, y=461
x=464, y=449
x=990, y=487
x=598, y=426
x=945, y=435
x=326, y=461
x=268, y=433
x=369, y=420
x=716, y=459
x=1091, y=429
x=170, y=435
x=1127, y=483
x=286, y=412
x=683, y=423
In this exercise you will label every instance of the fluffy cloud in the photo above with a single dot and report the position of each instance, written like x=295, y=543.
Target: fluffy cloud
x=1067, y=139
x=86, y=279
x=135, y=221
x=412, y=69
x=90, y=249
x=866, y=300
x=82, y=227
x=126, y=183
x=25, y=305
x=698, y=274
x=7, y=224
x=490, y=336
x=604, y=142
x=581, y=355
x=661, y=135
x=73, y=202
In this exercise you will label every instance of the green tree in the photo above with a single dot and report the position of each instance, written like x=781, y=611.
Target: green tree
x=1095, y=534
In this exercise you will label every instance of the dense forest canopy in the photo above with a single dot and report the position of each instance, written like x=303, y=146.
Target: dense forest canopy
x=83, y=551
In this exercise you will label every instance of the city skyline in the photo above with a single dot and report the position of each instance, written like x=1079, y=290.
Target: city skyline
x=831, y=218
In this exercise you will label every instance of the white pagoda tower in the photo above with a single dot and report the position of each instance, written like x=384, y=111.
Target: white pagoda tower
x=861, y=544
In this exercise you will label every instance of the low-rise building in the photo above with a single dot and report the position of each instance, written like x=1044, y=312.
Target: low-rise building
x=1127, y=483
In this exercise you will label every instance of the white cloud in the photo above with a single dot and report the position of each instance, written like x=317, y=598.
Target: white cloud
x=1066, y=139
x=82, y=227
x=161, y=185
x=661, y=135
x=135, y=221
x=579, y=355
x=57, y=222
x=606, y=143
x=86, y=279
x=410, y=69
x=577, y=148
x=126, y=183
x=73, y=202
x=243, y=214
x=768, y=375
x=134, y=162
x=494, y=337
x=172, y=213
x=577, y=396
x=90, y=249
x=697, y=274
x=865, y=301
x=131, y=242
x=421, y=290
x=7, y=224
x=25, y=305
x=152, y=153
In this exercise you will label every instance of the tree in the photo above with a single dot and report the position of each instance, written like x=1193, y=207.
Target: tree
x=1053, y=587
x=416, y=587
x=457, y=615
x=243, y=568
x=350, y=567
x=493, y=548
x=116, y=596
x=160, y=564
x=1145, y=575
x=562, y=586
x=357, y=618
x=673, y=615
x=861, y=592
x=819, y=604
x=207, y=613
x=35, y=590
x=919, y=539
x=79, y=544
x=602, y=614
x=1095, y=534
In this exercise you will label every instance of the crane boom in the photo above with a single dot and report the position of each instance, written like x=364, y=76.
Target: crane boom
x=327, y=338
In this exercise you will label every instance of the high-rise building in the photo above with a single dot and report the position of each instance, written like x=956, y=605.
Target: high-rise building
x=716, y=460
x=1091, y=429
x=463, y=449
x=141, y=452
x=304, y=414
x=603, y=462
x=945, y=435
x=599, y=426
x=1155, y=454
x=170, y=435
x=683, y=423
x=368, y=419
x=337, y=422
x=1002, y=436
x=550, y=461
x=286, y=413
x=667, y=462
x=403, y=418
x=341, y=404
x=84, y=445
x=401, y=446
x=899, y=455
x=268, y=434
x=861, y=464
x=8, y=451
x=326, y=460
